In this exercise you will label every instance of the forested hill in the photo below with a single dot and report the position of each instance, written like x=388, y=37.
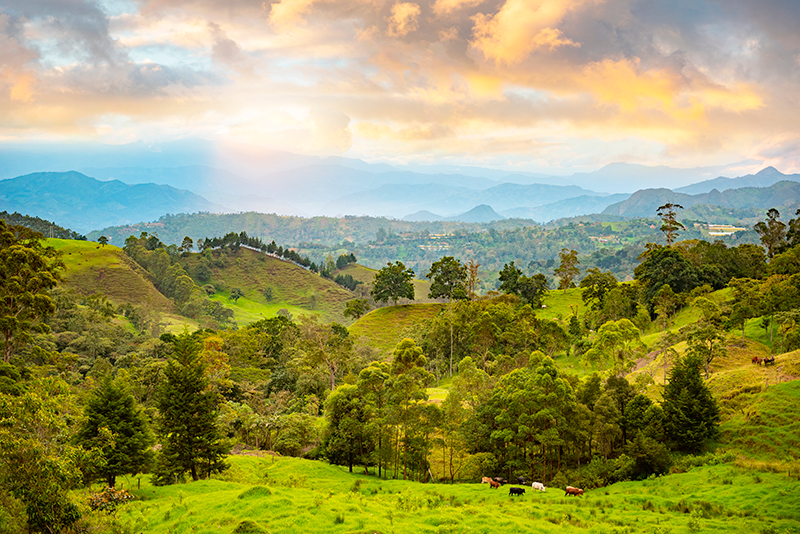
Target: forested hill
x=784, y=195
x=375, y=241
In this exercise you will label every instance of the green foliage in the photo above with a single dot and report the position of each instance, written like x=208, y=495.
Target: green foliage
x=27, y=271
x=37, y=464
x=42, y=226
x=532, y=288
x=116, y=425
x=691, y=414
x=393, y=282
x=356, y=308
x=449, y=279
x=191, y=440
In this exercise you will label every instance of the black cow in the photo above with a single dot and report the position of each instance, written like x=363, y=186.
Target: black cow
x=521, y=480
x=501, y=480
x=516, y=491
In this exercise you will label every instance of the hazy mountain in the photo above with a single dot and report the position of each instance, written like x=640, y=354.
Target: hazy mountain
x=764, y=178
x=478, y=214
x=82, y=203
x=395, y=200
x=570, y=207
x=422, y=215
x=628, y=177
x=645, y=203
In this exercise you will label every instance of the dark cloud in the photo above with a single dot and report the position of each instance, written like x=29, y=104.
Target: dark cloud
x=79, y=27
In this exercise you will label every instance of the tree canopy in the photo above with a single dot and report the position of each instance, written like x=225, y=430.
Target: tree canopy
x=393, y=282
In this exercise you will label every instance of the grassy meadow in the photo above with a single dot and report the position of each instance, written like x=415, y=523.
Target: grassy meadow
x=383, y=327
x=290, y=495
x=91, y=268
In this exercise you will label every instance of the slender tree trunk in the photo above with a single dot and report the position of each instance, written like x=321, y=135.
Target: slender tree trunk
x=451, y=341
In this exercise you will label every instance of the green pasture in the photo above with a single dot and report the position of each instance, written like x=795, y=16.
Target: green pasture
x=383, y=327
x=559, y=304
x=91, y=268
x=289, y=495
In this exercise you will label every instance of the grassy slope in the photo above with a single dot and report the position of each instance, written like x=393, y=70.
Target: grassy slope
x=288, y=495
x=366, y=275
x=383, y=327
x=298, y=290
x=91, y=268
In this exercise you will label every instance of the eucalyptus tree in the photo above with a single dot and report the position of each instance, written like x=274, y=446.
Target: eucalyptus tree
x=28, y=270
x=771, y=231
x=669, y=222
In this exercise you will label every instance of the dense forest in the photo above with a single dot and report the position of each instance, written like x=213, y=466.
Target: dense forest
x=88, y=387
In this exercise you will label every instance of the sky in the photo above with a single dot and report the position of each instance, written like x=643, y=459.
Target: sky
x=534, y=85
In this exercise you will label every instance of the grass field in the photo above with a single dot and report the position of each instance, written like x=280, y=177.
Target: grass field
x=383, y=327
x=289, y=495
x=91, y=268
x=298, y=290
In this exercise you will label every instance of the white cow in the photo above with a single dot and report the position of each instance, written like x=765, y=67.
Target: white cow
x=538, y=486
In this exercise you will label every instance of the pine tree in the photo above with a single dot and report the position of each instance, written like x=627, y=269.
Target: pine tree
x=691, y=415
x=114, y=423
x=188, y=418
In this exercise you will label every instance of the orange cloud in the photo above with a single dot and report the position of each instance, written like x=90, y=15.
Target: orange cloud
x=404, y=19
x=445, y=7
x=21, y=91
x=287, y=13
x=520, y=27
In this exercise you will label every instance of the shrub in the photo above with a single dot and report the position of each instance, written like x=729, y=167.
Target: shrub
x=108, y=499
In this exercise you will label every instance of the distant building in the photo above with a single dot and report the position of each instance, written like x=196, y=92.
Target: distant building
x=723, y=229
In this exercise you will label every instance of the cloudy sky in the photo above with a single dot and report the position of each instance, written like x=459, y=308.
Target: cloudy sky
x=539, y=85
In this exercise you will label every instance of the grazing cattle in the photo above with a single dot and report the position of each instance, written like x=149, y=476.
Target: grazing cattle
x=521, y=480
x=756, y=360
x=537, y=486
x=769, y=360
x=493, y=484
x=486, y=480
x=501, y=480
x=516, y=491
x=573, y=491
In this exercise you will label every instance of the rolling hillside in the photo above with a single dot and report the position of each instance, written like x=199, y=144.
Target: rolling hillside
x=91, y=268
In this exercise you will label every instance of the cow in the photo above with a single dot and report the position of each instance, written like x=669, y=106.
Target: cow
x=485, y=480
x=493, y=484
x=521, y=480
x=769, y=360
x=516, y=491
x=537, y=486
x=573, y=491
x=501, y=480
x=756, y=360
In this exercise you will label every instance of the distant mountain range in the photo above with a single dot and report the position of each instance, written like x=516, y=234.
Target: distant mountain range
x=83, y=204
x=645, y=203
x=124, y=184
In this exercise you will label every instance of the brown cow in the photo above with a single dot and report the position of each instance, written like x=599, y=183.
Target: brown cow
x=494, y=484
x=486, y=480
x=756, y=360
x=573, y=491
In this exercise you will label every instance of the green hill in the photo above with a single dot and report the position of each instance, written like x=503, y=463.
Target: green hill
x=383, y=327
x=294, y=288
x=91, y=268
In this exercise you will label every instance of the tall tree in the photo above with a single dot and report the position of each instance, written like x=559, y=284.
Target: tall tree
x=406, y=386
x=669, y=222
x=28, y=270
x=448, y=279
x=567, y=270
x=746, y=301
x=112, y=412
x=771, y=231
x=348, y=439
x=393, y=282
x=191, y=439
x=472, y=279
x=691, y=415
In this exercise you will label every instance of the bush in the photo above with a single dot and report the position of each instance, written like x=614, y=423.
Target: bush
x=108, y=499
